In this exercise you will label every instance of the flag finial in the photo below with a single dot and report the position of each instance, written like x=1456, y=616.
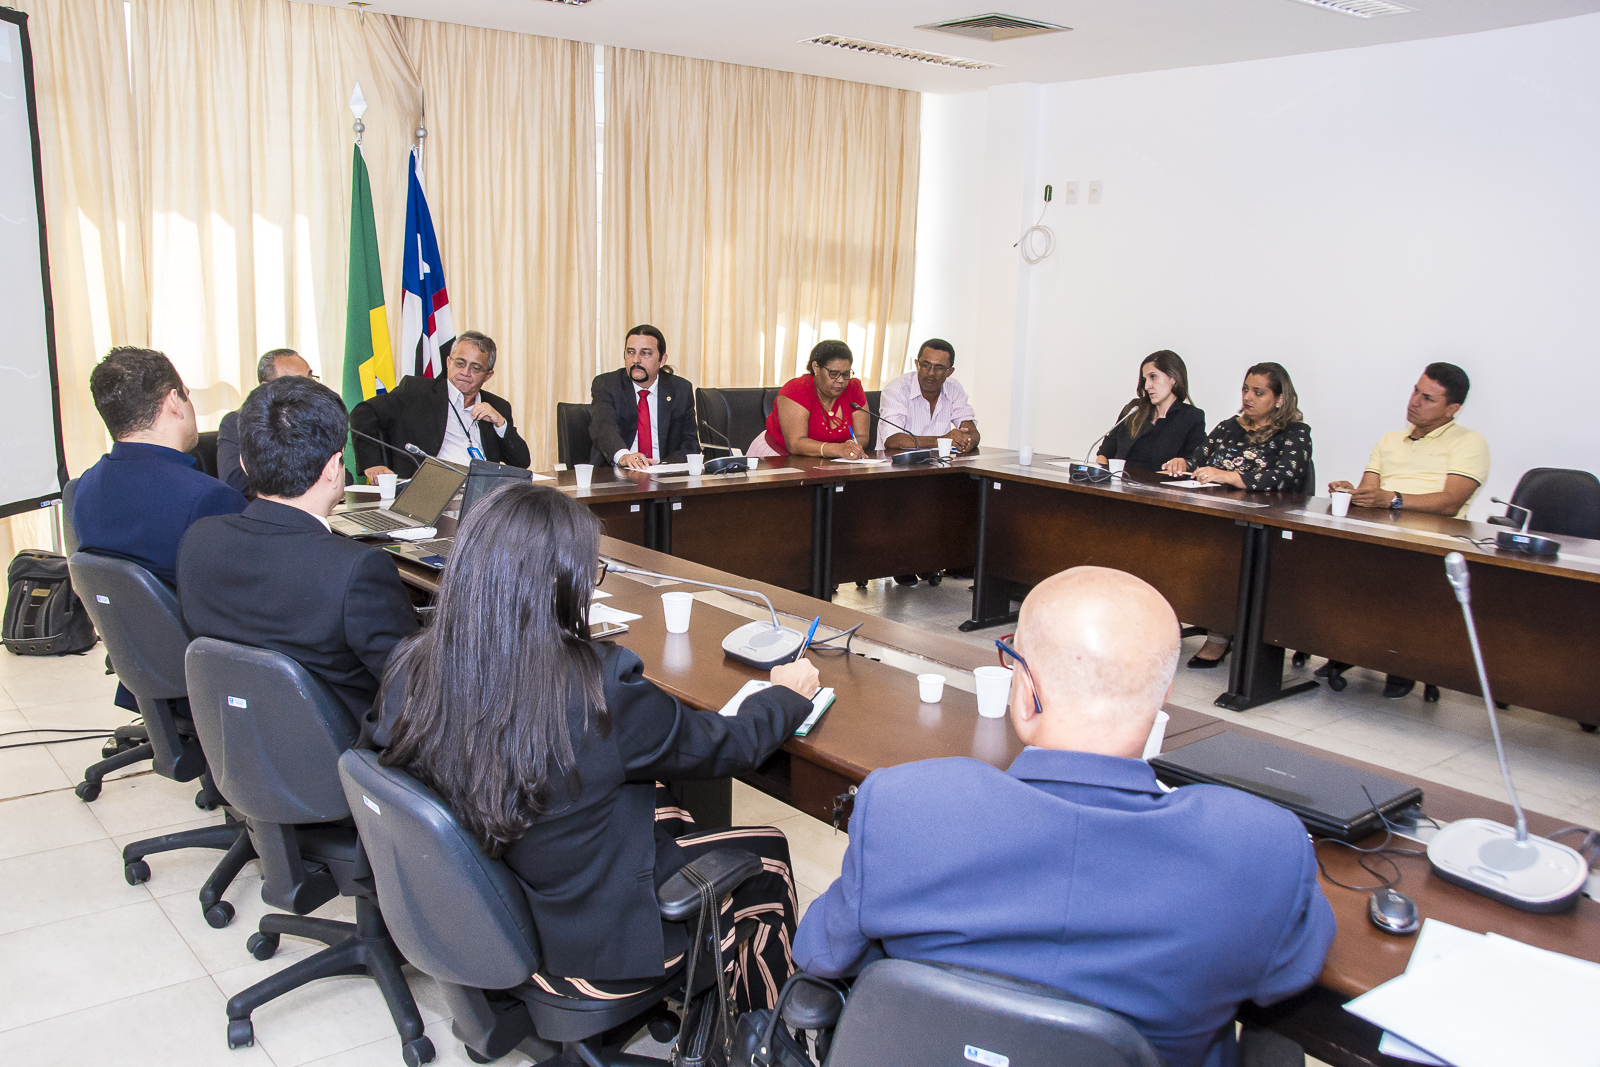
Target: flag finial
x=358, y=107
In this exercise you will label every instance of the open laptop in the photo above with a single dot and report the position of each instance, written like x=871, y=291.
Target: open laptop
x=1330, y=798
x=483, y=478
x=421, y=504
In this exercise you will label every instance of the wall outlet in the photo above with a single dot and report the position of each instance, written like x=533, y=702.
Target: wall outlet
x=1094, y=191
x=1069, y=193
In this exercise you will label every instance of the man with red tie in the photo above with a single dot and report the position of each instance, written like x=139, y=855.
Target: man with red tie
x=643, y=414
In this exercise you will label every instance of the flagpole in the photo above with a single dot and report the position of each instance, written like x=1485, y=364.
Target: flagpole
x=422, y=139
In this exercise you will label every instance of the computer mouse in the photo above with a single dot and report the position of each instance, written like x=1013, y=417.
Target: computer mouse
x=1393, y=912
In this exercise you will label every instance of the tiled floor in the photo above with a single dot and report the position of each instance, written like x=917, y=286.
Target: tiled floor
x=93, y=970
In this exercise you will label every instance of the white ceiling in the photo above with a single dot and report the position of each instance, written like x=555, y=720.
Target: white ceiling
x=1108, y=36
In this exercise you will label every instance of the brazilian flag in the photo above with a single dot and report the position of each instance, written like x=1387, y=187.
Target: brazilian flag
x=368, y=363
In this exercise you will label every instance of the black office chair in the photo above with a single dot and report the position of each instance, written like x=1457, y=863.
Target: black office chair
x=206, y=452
x=463, y=918
x=275, y=734
x=731, y=418
x=573, y=441
x=874, y=433
x=1555, y=500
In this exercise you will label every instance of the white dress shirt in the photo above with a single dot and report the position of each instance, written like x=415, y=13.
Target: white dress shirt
x=902, y=402
x=655, y=424
x=461, y=430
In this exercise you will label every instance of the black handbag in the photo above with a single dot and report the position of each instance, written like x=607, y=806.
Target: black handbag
x=762, y=1040
x=44, y=617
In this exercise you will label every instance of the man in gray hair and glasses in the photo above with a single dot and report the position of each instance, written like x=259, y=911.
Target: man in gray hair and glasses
x=278, y=363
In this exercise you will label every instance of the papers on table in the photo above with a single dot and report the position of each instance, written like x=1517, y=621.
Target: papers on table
x=541, y=477
x=819, y=704
x=668, y=468
x=1481, y=1000
x=599, y=613
x=865, y=461
x=1189, y=483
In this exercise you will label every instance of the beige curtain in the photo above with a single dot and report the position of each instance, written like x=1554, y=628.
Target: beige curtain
x=750, y=213
x=247, y=167
x=510, y=176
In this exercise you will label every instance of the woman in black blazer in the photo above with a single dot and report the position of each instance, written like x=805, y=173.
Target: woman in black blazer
x=549, y=747
x=1159, y=423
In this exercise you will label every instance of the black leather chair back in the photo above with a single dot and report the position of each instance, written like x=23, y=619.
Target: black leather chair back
x=273, y=734
x=137, y=616
x=69, y=533
x=731, y=418
x=206, y=452
x=1563, y=502
x=455, y=913
x=941, y=1015
x=874, y=430
x=573, y=442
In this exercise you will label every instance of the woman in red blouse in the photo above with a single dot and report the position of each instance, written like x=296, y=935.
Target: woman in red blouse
x=814, y=415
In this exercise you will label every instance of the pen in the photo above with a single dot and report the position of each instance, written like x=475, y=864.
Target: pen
x=809, y=635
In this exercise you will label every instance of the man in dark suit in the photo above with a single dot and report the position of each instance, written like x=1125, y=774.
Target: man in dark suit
x=452, y=417
x=642, y=414
x=273, y=364
x=276, y=576
x=1074, y=868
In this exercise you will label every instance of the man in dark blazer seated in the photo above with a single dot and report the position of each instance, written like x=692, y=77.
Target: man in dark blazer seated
x=453, y=418
x=1074, y=868
x=273, y=364
x=275, y=576
x=642, y=414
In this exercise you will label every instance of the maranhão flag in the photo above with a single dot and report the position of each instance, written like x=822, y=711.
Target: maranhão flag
x=368, y=362
x=427, y=329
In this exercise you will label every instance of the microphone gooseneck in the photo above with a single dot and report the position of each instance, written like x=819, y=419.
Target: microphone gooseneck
x=874, y=415
x=409, y=452
x=1455, y=566
x=1094, y=449
x=623, y=568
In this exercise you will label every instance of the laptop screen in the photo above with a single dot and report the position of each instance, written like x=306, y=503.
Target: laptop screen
x=429, y=490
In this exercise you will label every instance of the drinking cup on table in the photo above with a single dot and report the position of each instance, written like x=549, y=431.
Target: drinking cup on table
x=697, y=463
x=1158, y=733
x=930, y=688
x=752, y=461
x=1025, y=455
x=945, y=447
x=994, y=691
x=585, y=473
x=386, y=485
x=1340, y=506
x=1116, y=465
x=676, y=607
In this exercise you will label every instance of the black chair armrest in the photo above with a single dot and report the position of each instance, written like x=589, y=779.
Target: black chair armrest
x=726, y=869
x=1263, y=1048
x=814, y=1003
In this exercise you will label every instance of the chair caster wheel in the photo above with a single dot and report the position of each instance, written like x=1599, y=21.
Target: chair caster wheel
x=1337, y=683
x=477, y=1057
x=110, y=748
x=241, y=1034
x=87, y=791
x=1588, y=727
x=219, y=915
x=861, y=585
x=417, y=1052
x=1430, y=694
x=205, y=802
x=663, y=1029
x=262, y=946
x=136, y=872
x=1301, y=659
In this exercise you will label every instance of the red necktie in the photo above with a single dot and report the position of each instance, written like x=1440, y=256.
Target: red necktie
x=646, y=446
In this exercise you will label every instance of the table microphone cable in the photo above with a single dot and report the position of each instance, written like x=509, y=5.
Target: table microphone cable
x=86, y=734
x=1382, y=853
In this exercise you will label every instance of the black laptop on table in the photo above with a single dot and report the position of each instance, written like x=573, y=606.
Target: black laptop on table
x=1331, y=799
x=425, y=497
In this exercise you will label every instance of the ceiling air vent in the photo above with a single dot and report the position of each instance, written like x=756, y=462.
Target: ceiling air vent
x=1361, y=9
x=994, y=27
x=896, y=52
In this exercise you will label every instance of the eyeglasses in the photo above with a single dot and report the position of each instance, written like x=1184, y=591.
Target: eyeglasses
x=474, y=368
x=837, y=375
x=933, y=368
x=600, y=575
x=1005, y=651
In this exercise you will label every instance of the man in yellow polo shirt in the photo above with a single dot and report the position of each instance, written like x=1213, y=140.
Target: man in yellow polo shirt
x=1434, y=465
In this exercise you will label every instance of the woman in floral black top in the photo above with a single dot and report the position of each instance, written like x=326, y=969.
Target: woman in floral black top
x=1266, y=447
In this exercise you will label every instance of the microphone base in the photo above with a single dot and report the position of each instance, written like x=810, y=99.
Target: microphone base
x=916, y=457
x=1532, y=544
x=759, y=645
x=1484, y=856
x=727, y=465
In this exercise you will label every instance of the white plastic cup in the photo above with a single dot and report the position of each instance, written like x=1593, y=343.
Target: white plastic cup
x=1025, y=455
x=1116, y=465
x=946, y=446
x=386, y=486
x=585, y=473
x=752, y=461
x=1340, y=504
x=1158, y=733
x=930, y=688
x=994, y=691
x=677, y=606
x=697, y=463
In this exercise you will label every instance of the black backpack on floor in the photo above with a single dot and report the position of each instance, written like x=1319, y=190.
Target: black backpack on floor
x=43, y=615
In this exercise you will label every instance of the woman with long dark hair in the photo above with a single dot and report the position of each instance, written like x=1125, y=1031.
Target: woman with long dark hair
x=1160, y=422
x=1266, y=447
x=548, y=747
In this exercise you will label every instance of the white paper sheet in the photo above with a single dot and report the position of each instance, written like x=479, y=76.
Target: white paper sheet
x=1436, y=941
x=1493, y=1003
x=1189, y=483
x=867, y=461
x=603, y=613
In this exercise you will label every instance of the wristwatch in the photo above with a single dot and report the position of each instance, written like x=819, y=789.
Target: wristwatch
x=1397, y=503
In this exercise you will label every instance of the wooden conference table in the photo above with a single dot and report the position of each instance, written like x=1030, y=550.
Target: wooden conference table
x=1278, y=572
x=879, y=721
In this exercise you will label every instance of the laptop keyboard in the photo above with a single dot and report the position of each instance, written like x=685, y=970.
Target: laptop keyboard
x=438, y=547
x=378, y=520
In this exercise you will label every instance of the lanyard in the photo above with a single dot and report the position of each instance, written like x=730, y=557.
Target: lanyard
x=473, y=451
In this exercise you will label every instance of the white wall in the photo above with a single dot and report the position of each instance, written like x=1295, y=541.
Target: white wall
x=1353, y=215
